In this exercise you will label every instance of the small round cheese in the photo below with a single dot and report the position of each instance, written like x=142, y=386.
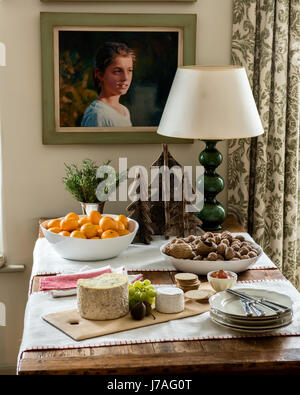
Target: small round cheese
x=169, y=300
x=104, y=297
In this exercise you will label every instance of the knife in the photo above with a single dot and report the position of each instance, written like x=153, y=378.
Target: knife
x=264, y=302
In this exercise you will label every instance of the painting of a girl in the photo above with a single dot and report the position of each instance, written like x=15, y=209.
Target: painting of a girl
x=112, y=74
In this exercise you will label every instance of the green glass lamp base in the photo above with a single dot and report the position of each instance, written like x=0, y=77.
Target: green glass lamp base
x=212, y=216
x=213, y=213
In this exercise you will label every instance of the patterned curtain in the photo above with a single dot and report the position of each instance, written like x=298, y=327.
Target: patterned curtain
x=264, y=171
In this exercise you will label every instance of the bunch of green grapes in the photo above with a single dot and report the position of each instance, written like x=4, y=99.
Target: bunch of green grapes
x=141, y=291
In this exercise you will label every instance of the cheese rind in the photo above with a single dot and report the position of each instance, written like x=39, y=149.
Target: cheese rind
x=104, y=297
x=169, y=300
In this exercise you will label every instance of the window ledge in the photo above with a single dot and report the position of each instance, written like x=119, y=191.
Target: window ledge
x=12, y=268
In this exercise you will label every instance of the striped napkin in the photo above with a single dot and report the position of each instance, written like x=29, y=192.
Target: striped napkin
x=66, y=284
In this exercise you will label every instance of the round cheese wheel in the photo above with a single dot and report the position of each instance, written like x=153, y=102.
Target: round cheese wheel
x=104, y=297
x=169, y=300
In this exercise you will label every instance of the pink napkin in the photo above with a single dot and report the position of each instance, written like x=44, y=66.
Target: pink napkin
x=67, y=281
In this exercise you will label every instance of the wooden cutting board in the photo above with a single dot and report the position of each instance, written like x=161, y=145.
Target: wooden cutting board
x=72, y=324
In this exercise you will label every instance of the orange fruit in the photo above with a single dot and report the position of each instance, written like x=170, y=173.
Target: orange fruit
x=95, y=217
x=124, y=232
x=120, y=225
x=89, y=230
x=96, y=237
x=108, y=223
x=100, y=231
x=54, y=229
x=68, y=224
x=72, y=216
x=54, y=223
x=109, y=234
x=83, y=220
x=78, y=234
x=123, y=219
x=64, y=233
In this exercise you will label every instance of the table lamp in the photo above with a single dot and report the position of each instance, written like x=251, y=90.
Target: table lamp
x=210, y=103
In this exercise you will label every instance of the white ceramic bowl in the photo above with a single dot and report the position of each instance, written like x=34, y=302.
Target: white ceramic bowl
x=90, y=249
x=204, y=267
x=220, y=284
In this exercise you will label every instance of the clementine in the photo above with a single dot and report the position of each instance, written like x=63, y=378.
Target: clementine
x=95, y=217
x=55, y=229
x=78, y=234
x=120, y=225
x=64, y=233
x=108, y=223
x=123, y=219
x=68, y=224
x=54, y=223
x=72, y=216
x=124, y=232
x=89, y=230
x=109, y=234
x=83, y=220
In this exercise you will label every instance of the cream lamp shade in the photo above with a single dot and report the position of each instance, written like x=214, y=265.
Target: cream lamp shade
x=2, y=55
x=211, y=103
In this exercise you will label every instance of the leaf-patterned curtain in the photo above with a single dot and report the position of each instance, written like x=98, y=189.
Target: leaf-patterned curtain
x=263, y=186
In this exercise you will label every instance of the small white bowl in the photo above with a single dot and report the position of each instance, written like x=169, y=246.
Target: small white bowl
x=90, y=249
x=220, y=284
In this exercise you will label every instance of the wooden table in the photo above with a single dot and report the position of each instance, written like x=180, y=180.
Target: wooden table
x=261, y=355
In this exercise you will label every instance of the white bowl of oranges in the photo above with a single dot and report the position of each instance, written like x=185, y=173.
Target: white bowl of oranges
x=90, y=237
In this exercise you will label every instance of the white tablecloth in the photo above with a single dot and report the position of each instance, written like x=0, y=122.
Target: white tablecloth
x=39, y=335
x=137, y=257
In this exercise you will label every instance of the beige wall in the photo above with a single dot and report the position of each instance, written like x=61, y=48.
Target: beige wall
x=32, y=172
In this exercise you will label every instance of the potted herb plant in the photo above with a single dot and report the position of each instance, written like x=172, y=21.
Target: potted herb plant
x=82, y=183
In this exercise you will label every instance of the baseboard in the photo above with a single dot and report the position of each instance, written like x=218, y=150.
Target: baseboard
x=8, y=370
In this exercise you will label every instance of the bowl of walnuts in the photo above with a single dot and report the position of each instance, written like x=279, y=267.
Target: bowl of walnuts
x=212, y=251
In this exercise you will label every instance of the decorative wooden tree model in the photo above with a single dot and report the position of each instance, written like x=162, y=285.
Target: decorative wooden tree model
x=139, y=209
x=170, y=217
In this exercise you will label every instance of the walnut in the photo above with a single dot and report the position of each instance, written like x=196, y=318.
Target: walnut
x=237, y=255
x=217, y=239
x=240, y=237
x=221, y=248
x=166, y=249
x=225, y=241
x=206, y=235
x=212, y=256
x=244, y=257
x=229, y=253
x=181, y=251
x=220, y=257
x=209, y=240
x=189, y=239
x=246, y=244
x=204, y=249
x=244, y=251
x=235, y=246
x=252, y=254
x=198, y=258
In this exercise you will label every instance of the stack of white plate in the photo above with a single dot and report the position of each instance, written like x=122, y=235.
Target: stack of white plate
x=227, y=310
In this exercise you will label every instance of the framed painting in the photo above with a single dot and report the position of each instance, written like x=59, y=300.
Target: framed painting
x=106, y=77
x=92, y=1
